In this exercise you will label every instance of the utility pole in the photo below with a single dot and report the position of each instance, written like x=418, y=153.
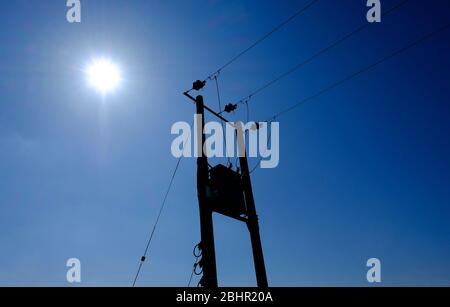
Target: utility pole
x=226, y=192
x=209, y=279
x=252, y=217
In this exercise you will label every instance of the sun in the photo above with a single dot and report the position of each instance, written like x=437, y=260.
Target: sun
x=103, y=75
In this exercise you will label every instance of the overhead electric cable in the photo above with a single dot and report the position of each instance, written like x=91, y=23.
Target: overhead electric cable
x=354, y=75
x=263, y=38
x=156, y=222
x=316, y=55
x=365, y=69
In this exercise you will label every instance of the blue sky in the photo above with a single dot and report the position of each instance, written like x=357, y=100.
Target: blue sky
x=364, y=169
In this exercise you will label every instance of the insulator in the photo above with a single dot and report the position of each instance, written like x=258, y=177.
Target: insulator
x=256, y=126
x=198, y=85
x=230, y=107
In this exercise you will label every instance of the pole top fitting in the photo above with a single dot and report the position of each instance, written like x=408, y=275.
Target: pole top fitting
x=230, y=107
x=198, y=85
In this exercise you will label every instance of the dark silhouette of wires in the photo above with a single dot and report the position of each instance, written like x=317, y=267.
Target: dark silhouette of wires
x=156, y=222
x=263, y=38
x=218, y=93
x=354, y=75
x=316, y=55
x=198, y=262
x=365, y=69
x=260, y=159
x=219, y=99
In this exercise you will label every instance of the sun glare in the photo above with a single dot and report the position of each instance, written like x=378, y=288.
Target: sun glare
x=103, y=75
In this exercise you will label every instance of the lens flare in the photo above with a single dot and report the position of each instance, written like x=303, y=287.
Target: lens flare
x=103, y=75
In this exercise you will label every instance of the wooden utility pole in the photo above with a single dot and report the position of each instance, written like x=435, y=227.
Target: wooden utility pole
x=209, y=279
x=252, y=217
x=207, y=206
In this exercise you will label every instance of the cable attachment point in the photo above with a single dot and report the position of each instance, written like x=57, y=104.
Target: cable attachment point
x=214, y=75
x=201, y=283
x=256, y=126
x=230, y=108
x=198, y=85
x=198, y=265
x=197, y=250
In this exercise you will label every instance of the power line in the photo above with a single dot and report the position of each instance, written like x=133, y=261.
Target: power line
x=190, y=278
x=365, y=69
x=269, y=140
x=157, y=221
x=354, y=75
x=218, y=93
x=316, y=55
x=196, y=264
x=263, y=38
x=219, y=99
